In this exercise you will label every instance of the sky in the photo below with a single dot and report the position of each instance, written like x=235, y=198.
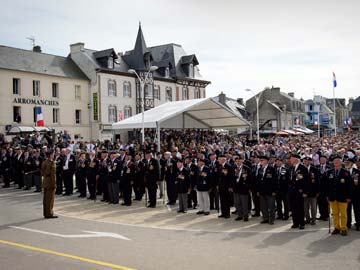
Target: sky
x=243, y=44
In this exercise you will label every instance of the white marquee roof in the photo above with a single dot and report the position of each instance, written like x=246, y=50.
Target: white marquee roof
x=194, y=113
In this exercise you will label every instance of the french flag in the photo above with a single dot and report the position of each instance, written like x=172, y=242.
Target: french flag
x=39, y=117
x=334, y=80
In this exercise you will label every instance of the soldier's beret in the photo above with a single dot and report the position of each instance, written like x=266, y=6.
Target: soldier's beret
x=280, y=159
x=148, y=152
x=222, y=156
x=264, y=157
x=188, y=157
x=201, y=160
x=17, y=147
x=352, y=160
x=295, y=156
x=30, y=146
x=308, y=158
x=23, y=147
x=335, y=157
x=179, y=160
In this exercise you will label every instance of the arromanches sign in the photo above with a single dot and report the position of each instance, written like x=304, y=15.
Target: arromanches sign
x=33, y=101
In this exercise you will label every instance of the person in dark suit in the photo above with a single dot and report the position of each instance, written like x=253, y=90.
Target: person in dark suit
x=349, y=165
x=6, y=167
x=183, y=185
x=322, y=202
x=311, y=192
x=298, y=177
x=59, y=155
x=113, y=178
x=139, y=185
x=256, y=199
x=282, y=197
x=241, y=188
x=194, y=173
x=68, y=170
x=81, y=174
x=38, y=160
x=202, y=188
x=152, y=171
x=28, y=167
x=339, y=195
x=103, y=175
x=18, y=167
x=213, y=192
x=170, y=177
x=355, y=193
x=127, y=179
x=266, y=188
x=225, y=174
x=92, y=174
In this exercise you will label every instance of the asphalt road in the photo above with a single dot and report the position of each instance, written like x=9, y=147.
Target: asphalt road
x=90, y=235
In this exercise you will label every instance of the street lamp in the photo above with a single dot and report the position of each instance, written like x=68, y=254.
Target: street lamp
x=142, y=93
x=257, y=98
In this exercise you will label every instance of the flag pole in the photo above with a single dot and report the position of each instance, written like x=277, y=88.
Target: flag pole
x=334, y=106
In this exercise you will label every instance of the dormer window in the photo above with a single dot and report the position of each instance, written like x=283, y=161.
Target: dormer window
x=191, y=70
x=111, y=62
x=167, y=72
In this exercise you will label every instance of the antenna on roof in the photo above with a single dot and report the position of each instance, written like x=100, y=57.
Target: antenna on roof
x=32, y=39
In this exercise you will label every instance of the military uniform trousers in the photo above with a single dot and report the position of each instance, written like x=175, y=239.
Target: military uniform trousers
x=37, y=182
x=267, y=206
x=297, y=207
x=48, y=202
x=356, y=204
x=68, y=179
x=28, y=178
x=310, y=207
x=171, y=190
x=339, y=210
x=241, y=203
x=204, y=201
x=282, y=205
x=113, y=189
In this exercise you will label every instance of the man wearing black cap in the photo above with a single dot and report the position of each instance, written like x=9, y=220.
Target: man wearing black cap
x=103, y=175
x=354, y=174
x=339, y=195
x=202, y=188
x=311, y=192
x=241, y=188
x=127, y=179
x=183, y=185
x=355, y=194
x=113, y=178
x=282, y=197
x=139, y=185
x=266, y=187
x=214, y=193
x=152, y=175
x=225, y=177
x=298, y=177
x=194, y=173
x=170, y=176
x=322, y=202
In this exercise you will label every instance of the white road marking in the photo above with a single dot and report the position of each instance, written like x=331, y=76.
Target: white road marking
x=90, y=234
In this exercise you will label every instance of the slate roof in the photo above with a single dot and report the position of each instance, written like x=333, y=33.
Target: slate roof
x=356, y=105
x=41, y=63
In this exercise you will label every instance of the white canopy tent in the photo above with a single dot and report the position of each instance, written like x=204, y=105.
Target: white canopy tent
x=205, y=113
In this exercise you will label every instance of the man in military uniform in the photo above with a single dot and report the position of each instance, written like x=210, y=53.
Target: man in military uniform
x=127, y=179
x=113, y=178
x=214, y=192
x=103, y=175
x=282, y=197
x=48, y=172
x=68, y=170
x=225, y=174
x=254, y=196
x=59, y=155
x=311, y=192
x=298, y=177
x=151, y=177
x=202, y=188
x=28, y=168
x=322, y=202
x=139, y=185
x=18, y=167
x=339, y=195
x=350, y=166
x=266, y=188
x=355, y=194
x=6, y=167
x=241, y=188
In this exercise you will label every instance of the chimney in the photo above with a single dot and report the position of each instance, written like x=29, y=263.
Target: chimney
x=77, y=47
x=222, y=98
x=240, y=101
x=291, y=94
x=37, y=49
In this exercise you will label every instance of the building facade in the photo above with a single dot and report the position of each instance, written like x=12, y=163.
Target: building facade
x=30, y=79
x=341, y=110
x=317, y=111
x=277, y=110
x=354, y=111
x=115, y=92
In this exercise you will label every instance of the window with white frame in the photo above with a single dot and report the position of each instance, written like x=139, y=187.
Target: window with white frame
x=168, y=94
x=111, y=88
x=16, y=86
x=127, y=89
x=112, y=114
x=110, y=62
x=148, y=91
x=77, y=92
x=56, y=114
x=197, y=93
x=167, y=72
x=55, y=90
x=157, y=92
x=191, y=70
x=36, y=88
x=185, y=93
x=127, y=112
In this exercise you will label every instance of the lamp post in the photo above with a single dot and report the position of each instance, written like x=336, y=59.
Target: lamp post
x=142, y=93
x=257, y=98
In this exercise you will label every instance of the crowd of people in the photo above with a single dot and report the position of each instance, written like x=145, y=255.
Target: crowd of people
x=274, y=179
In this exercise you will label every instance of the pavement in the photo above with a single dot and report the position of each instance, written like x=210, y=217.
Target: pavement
x=96, y=235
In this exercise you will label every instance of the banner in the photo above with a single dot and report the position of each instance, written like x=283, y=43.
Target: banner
x=95, y=106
